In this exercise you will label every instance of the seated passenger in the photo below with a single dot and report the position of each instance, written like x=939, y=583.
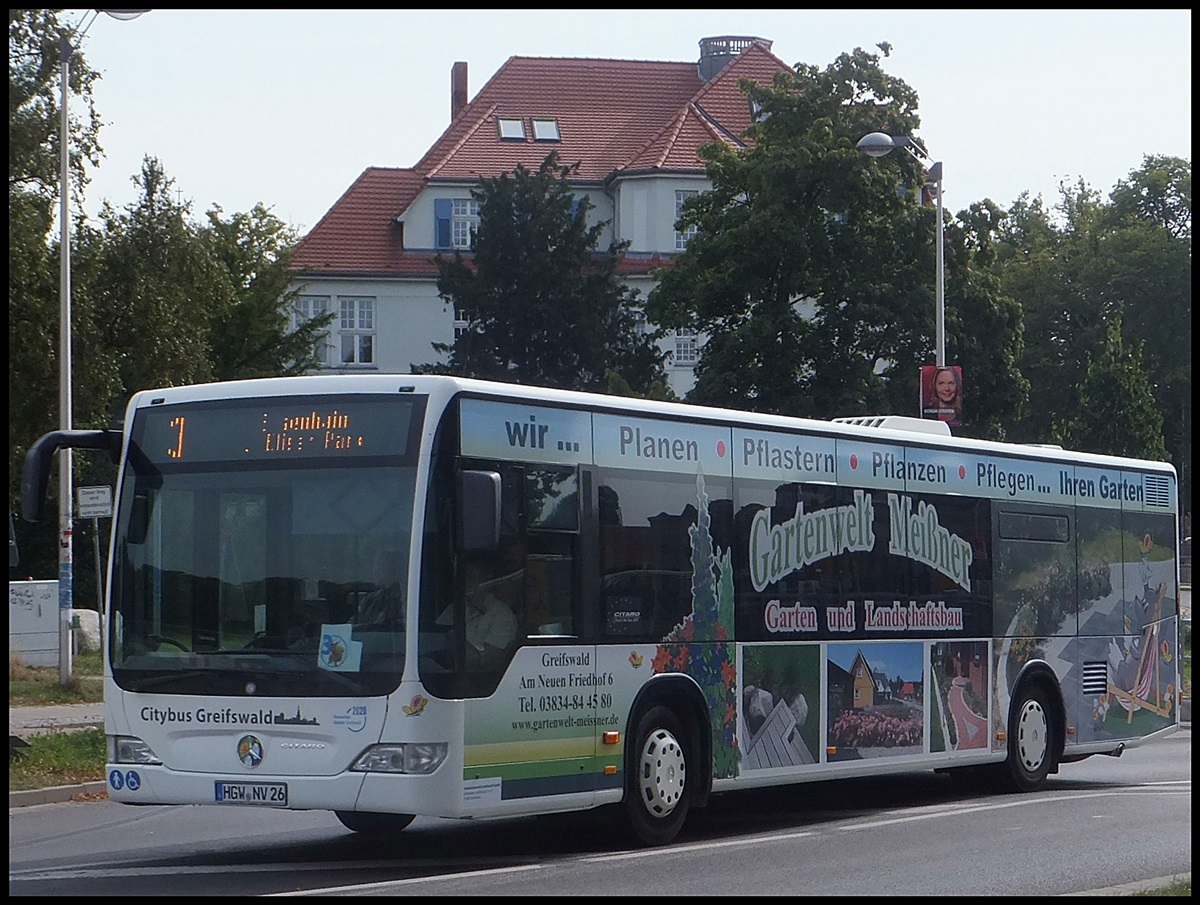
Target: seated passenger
x=491, y=624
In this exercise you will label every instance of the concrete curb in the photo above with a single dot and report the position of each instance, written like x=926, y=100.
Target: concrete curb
x=1129, y=889
x=57, y=794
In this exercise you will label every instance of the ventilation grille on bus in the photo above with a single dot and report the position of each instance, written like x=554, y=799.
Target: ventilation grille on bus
x=1158, y=491
x=1095, y=677
x=899, y=423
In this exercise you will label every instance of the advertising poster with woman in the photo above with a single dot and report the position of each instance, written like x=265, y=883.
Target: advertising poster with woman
x=942, y=393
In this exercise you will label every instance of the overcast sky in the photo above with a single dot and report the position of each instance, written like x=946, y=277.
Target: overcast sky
x=288, y=107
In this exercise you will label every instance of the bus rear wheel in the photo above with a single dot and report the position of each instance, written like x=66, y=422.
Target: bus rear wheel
x=374, y=824
x=1030, y=739
x=656, y=794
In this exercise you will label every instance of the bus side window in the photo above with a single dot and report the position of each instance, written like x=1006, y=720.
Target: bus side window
x=549, y=590
x=551, y=512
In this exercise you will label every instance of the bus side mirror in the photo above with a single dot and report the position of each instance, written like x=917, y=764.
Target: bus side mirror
x=36, y=471
x=477, y=510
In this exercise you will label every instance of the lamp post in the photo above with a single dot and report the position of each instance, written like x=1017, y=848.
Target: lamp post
x=879, y=144
x=66, y=511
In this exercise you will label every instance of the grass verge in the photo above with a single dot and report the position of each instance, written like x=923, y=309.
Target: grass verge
x=1180, y=886
x=36, y=685
x=57, y=759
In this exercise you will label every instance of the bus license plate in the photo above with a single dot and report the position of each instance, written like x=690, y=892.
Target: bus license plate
x=272, y=794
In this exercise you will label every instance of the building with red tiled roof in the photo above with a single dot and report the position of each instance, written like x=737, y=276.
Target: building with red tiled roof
x=633, y=126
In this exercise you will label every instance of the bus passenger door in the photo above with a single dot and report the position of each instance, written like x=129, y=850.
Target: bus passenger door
x=534, y=737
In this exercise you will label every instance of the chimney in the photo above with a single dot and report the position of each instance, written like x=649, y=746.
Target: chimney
x=716, y=53
x=458, y=90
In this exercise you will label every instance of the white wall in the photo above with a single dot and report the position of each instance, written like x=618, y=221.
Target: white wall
x=410, y=316
x=645, y=210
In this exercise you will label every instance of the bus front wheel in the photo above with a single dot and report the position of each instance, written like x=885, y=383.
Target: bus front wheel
x=374, y=824
x=656, y=795
x=1030, y=749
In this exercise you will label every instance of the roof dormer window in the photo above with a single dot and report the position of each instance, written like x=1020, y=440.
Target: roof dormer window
x=512, y=128
x=545, y=129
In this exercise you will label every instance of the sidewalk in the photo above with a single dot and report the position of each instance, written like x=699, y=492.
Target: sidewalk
x=26, y=721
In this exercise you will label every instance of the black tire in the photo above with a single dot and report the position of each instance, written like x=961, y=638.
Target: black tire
x=374, y=824
x=656, y=793
x=1030, y=739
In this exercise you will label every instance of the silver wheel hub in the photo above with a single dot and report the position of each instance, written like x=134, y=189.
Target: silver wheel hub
x=661, y=773
x=1033, y=736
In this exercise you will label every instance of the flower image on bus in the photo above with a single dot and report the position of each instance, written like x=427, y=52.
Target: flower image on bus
x=391, y=596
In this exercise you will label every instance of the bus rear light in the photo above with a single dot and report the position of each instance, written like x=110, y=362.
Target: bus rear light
x=126, y=749
x=411, y=757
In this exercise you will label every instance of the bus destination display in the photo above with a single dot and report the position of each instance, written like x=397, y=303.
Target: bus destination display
x=278, y=429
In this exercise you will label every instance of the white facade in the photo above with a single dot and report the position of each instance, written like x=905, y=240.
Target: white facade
x=389, y=323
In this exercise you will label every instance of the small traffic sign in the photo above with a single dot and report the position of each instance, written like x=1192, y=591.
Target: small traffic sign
x=95, y=502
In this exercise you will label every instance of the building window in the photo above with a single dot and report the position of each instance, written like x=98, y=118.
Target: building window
x=641, y=322
x=687, y=351
x=462, y=321
x=682, y=238
x=512, y=128
x=306, y=308
x=464, y=221
x=357, y=330
x=545, y=129
x=455, y=220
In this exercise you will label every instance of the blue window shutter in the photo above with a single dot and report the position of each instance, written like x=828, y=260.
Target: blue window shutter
x=442, y=210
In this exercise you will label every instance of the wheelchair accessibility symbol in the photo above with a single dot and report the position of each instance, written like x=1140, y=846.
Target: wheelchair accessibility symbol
x=130, y=780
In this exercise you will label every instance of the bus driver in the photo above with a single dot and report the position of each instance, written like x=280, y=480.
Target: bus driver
x=491, y=625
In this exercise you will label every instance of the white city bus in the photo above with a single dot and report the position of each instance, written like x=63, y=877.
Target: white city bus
x=390, y=596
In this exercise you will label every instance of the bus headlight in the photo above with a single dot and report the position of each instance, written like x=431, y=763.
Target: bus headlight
x=410, y=757
x=126, y=749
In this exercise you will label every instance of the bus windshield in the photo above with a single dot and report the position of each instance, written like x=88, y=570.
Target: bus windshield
x=260, y=551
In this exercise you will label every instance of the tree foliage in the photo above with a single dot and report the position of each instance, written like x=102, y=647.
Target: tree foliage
x=34, y=112
x=156, y=299
x=1081, y=268
x=543, y=307
x=812, y=276
x=1133, y=428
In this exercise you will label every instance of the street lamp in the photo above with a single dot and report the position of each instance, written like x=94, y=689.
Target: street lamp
x=65, y=504
x=879, y=144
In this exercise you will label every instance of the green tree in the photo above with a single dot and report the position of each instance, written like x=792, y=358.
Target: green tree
x=1132, y=428
x=161, y=301
x=810, y=274
x=1059, y=325
x=253, y=336
x=985, y=326
x=1089, y=263
x=543, y=306
x=1149, y=223
x=34, y=127
x=148, y=287
x=34, y=115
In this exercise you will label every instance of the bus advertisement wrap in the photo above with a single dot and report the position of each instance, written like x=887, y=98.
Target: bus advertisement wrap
x=390, y=597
